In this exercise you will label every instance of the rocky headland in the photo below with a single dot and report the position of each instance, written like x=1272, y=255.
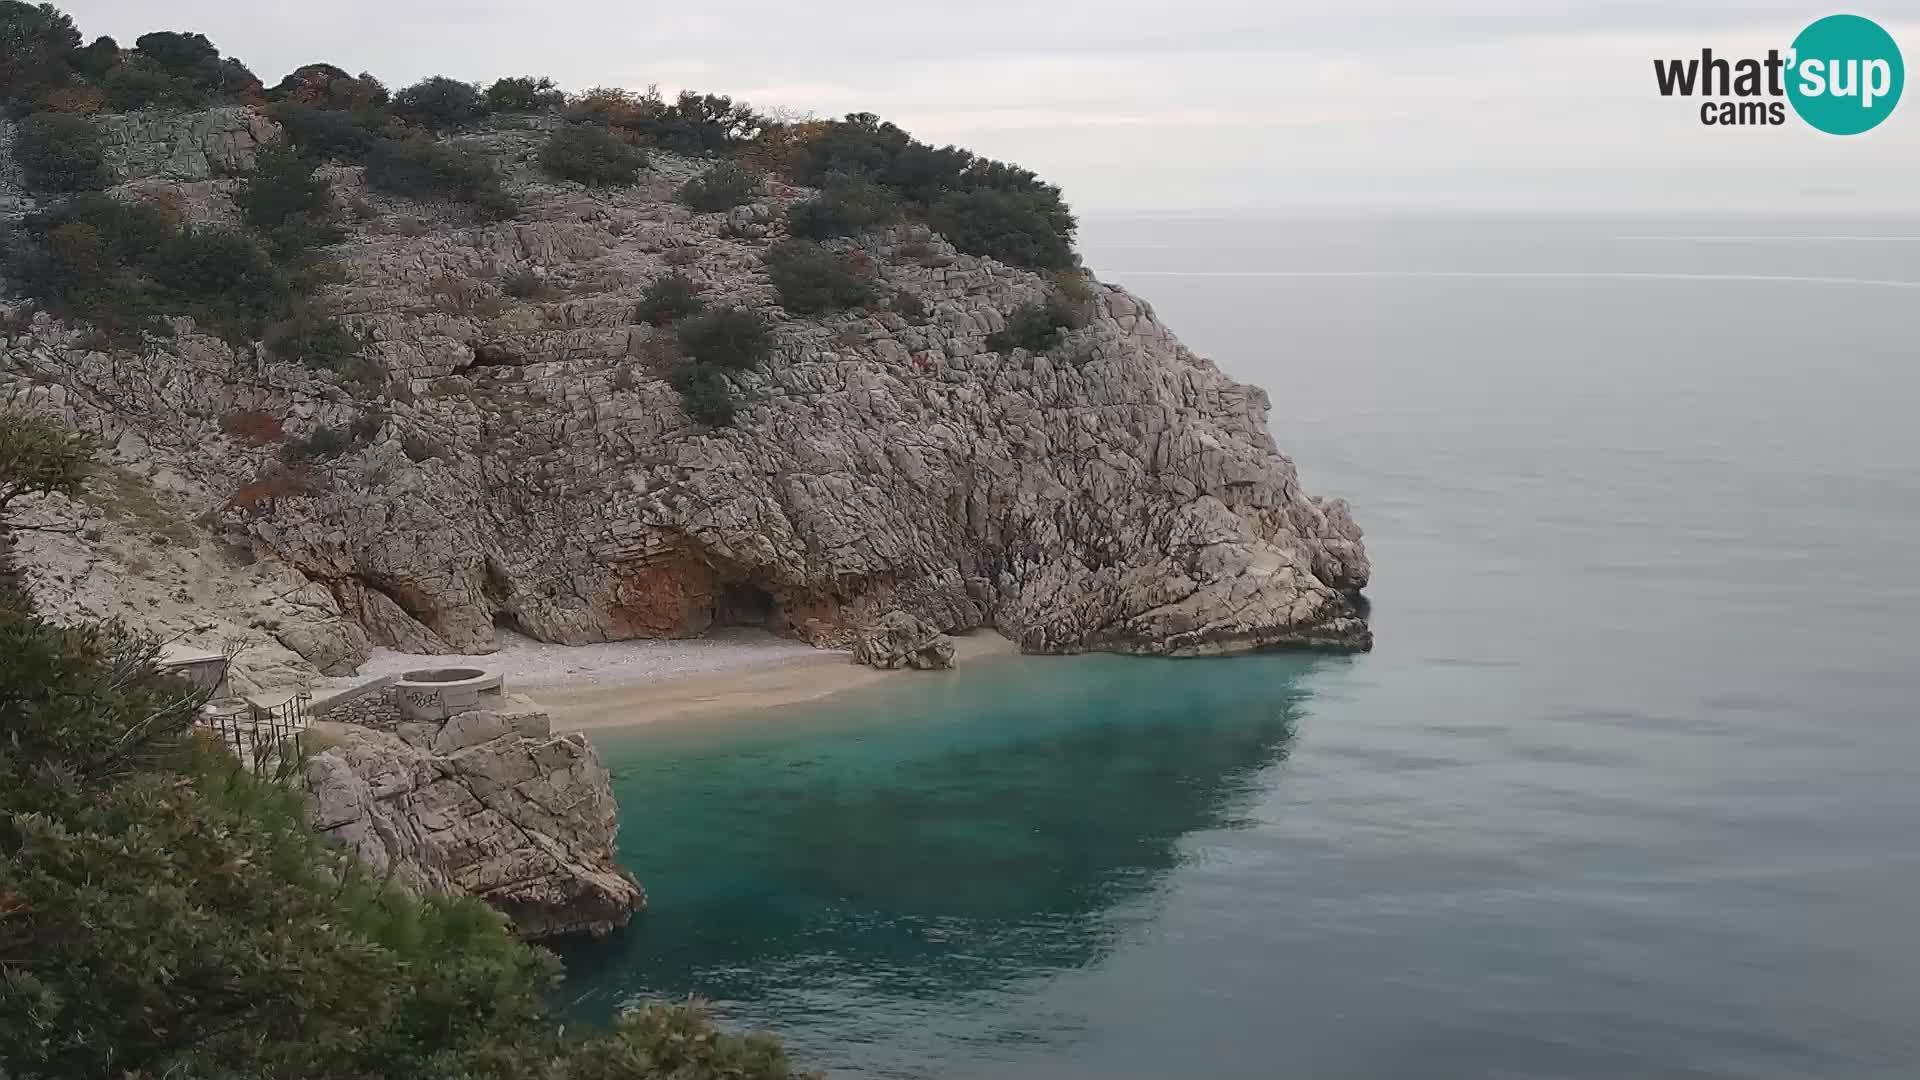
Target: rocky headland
x=513, y=453
x=532, y=468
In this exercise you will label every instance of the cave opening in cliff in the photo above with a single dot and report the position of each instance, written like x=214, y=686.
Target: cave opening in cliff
x=742, y=603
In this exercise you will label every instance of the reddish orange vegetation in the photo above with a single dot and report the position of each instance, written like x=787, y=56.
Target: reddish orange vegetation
x=252, y=427
x=260, y=495
x=83, y=100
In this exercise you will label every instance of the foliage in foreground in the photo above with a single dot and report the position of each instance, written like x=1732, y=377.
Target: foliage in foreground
x=164, y=912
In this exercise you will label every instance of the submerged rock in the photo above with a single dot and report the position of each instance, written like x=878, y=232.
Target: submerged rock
x=489, y=803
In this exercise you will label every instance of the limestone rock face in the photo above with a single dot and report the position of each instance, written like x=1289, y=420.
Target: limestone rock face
x=491, y=804
x=185, y=146
x=900, y=640
x=533, y=468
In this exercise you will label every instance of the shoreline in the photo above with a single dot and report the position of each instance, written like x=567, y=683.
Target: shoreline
x=641, y=683
x=750, y=688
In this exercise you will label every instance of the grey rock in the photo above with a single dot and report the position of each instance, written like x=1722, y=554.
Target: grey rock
x=901, y=640
x=489, y=804
x=333, y=646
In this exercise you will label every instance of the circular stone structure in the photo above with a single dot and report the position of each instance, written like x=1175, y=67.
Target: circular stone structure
x=437, y=694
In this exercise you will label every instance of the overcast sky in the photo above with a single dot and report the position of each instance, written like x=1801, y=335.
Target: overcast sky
x=1150, y=105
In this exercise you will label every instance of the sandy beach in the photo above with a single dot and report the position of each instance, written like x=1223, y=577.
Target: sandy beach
x=626, y=683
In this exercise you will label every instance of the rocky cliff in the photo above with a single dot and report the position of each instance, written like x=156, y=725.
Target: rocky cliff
x=529, y=466
x=489, y=803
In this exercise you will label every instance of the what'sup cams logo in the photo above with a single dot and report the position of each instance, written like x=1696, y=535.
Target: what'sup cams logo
x=1842, y=75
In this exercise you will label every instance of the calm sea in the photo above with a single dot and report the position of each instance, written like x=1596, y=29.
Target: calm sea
x=1629, y=788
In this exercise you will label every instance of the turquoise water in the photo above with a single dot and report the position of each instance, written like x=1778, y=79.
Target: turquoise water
x=1627, y=788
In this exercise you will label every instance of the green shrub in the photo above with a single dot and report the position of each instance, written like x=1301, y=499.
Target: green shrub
x=423, y=169
x=812, y=280
x=169, y=70
x=196, y=61
x=722, y=187
x=523, y=285
x=848, y=205
x=699, y=124
x=329, y=87
x=418, y=448
x=909, y=305
x=440, y=104
x=668, y=299
x=985, y=207
x=367, y=425
x=60, y=152
x=324, y=443
x=704, y=393
x=140, y=84
x=286, y=201
x=305, y=335
x=37, y=42
x=208, y=262
x=1026, y=229
x=733, y=338
x=222, y=278
x=494, y=204
x=88, y=258
x=98, y=58
x=589, y=154
x=329, y=134
x=123, y=265
x=524, y=94
x=1034, y=327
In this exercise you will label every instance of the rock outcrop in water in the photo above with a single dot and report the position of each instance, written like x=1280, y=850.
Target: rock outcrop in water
x=489, y=803
x=534, y=468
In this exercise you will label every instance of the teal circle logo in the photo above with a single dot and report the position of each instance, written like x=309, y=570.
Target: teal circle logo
x=1847, y=75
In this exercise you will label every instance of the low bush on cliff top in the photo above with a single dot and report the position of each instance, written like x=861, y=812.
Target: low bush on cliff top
x=589, y=154
x=847, y=206
x=985, y=207
x=440, y=104
x=524, y=94
x=46, y=66
x=329, y=134
x=1019, y=228
x=166, y=912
